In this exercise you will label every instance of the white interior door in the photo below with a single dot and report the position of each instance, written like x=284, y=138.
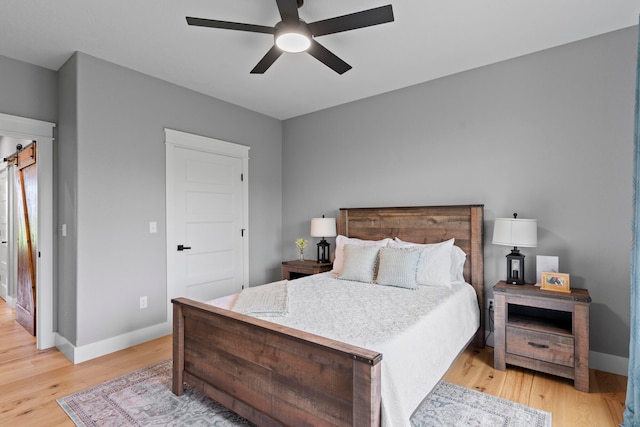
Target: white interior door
x=206, y=222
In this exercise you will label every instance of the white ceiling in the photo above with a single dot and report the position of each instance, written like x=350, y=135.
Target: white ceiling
x=429, y=39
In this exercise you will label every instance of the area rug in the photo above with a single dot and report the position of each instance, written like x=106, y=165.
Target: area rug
x=144, y=398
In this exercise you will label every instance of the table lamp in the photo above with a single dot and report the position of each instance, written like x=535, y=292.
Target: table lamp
x=323, y=227
x=517, y=233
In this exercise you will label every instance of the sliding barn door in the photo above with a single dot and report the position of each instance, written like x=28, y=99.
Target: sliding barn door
x=26, y=235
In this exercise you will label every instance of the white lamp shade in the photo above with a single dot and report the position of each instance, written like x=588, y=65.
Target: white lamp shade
x=516, y=232
x=323, y=227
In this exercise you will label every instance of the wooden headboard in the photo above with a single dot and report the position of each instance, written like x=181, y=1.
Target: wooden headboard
x=427, y=224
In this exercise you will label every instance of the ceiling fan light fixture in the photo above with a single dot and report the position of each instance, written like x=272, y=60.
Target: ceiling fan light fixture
x=292, y=38
x=293, y=42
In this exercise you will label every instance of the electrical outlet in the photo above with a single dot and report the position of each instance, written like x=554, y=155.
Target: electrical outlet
x=490, y=304
x=143, y=302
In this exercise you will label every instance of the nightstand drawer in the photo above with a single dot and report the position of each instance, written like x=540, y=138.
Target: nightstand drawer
x=548, y=347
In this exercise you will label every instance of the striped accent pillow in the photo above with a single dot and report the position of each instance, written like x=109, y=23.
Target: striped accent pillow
x=399, y=267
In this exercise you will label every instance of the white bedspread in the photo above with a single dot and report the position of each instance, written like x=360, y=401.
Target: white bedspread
x=419, y=332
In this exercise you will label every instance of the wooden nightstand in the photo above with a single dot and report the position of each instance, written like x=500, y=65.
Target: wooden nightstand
x=295, y=269
x=543, y=330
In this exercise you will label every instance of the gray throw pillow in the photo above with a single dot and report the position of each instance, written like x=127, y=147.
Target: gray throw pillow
x=359, y=263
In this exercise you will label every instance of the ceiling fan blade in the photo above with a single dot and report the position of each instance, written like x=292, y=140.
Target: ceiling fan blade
x=288, y=10
x=328, y=58
x=267, y=60
x=226, y=25
x=366, y=18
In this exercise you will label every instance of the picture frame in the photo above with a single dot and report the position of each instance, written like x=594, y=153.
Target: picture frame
x=552, y=281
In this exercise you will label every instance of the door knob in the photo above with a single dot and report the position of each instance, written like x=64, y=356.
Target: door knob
x=182, y=247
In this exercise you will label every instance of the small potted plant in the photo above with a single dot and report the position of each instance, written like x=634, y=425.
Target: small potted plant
x=301, y=244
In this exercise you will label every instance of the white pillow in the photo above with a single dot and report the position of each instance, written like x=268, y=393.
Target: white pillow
x=341, y=240
x=458, y=258
x=434, y=267
x=359, y=263
x=398, y=267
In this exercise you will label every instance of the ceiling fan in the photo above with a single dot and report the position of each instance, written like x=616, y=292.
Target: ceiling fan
x=292, y=34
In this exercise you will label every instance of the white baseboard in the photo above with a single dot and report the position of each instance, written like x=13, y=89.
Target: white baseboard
x=91, y=351
x=609, y=363
x=11, y=301
x=600, y=361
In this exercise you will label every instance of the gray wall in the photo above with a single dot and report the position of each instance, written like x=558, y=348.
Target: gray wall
x=27, y=90
x=66, y=197
x=115, y=147
x=548, y=135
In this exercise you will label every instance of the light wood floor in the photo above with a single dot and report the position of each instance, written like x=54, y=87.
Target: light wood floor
x=32, y=380
x=601, y=407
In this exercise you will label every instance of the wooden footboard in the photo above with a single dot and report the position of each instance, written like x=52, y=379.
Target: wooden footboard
x=271, y=374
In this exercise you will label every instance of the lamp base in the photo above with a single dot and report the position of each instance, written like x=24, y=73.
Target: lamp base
x=323, y=251
x=515, y=267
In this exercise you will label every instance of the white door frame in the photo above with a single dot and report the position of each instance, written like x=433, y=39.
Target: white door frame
x=5, y=292
x=42, y=132
x=174, y=139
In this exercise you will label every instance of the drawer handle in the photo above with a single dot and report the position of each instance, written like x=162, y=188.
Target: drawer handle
x=533, y=344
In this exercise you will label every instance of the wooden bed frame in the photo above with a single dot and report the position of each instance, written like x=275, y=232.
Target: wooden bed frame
x=274, y=375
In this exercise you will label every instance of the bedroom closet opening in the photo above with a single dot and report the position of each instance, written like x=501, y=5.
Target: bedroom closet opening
x=26, y=224
x=21, y=234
